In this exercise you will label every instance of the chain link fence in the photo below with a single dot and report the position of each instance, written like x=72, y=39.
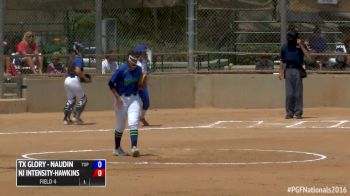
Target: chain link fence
x=56, y=27
x=163, y=30
x=249, y=33
x=323, y=25
x=237, y=34
x=230, y=34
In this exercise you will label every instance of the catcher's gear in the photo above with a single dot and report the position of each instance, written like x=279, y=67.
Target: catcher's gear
x=80, y=106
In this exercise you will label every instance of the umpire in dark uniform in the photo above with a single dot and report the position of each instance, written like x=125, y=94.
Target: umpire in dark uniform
x=292, y=59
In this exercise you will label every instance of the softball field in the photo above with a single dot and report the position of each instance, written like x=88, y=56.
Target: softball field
x=205, y=151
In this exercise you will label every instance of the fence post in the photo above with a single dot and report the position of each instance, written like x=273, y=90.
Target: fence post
x=2, y=65
x=98, y=35
x=191, y=34
x=284, y=20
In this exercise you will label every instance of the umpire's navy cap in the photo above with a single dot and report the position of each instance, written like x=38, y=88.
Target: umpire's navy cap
x=294, y=34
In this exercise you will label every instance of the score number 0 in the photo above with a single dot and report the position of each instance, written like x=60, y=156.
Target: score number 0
x=99, y=165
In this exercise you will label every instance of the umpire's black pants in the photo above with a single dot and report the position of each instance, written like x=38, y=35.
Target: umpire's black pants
x=294, y=92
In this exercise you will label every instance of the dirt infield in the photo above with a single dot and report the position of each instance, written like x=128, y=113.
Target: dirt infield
x=190, y=151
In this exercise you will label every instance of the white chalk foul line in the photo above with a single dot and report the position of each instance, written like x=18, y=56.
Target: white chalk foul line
x=96, y=130
x=48, y=132
x=318, y=158
x=211, y=125
x=215, y=125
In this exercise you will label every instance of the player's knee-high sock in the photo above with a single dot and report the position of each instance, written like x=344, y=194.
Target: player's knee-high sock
x=133, y=137
x=117, y=138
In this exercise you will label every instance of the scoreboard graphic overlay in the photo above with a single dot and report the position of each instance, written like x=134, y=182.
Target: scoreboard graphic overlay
x=61, y=172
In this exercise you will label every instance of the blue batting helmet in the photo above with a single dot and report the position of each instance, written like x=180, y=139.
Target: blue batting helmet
x=140, y=48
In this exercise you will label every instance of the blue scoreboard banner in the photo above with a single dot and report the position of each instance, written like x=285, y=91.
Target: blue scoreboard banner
x=61, y=172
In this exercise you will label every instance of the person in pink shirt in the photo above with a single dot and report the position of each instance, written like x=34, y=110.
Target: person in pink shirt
x=31, y=52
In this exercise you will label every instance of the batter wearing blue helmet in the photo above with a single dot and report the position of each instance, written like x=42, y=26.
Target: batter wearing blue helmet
x=143, y=52
x=124, y=84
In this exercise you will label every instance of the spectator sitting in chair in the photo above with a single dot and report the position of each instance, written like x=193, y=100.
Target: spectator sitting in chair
x=56, y=67
x=30, y=53
x=317, y=45
x=264, y=63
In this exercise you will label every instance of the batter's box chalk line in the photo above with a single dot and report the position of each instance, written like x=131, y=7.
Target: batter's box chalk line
x=326, y=124
x=317, y=157
x=237, y=123
x=329, y=124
